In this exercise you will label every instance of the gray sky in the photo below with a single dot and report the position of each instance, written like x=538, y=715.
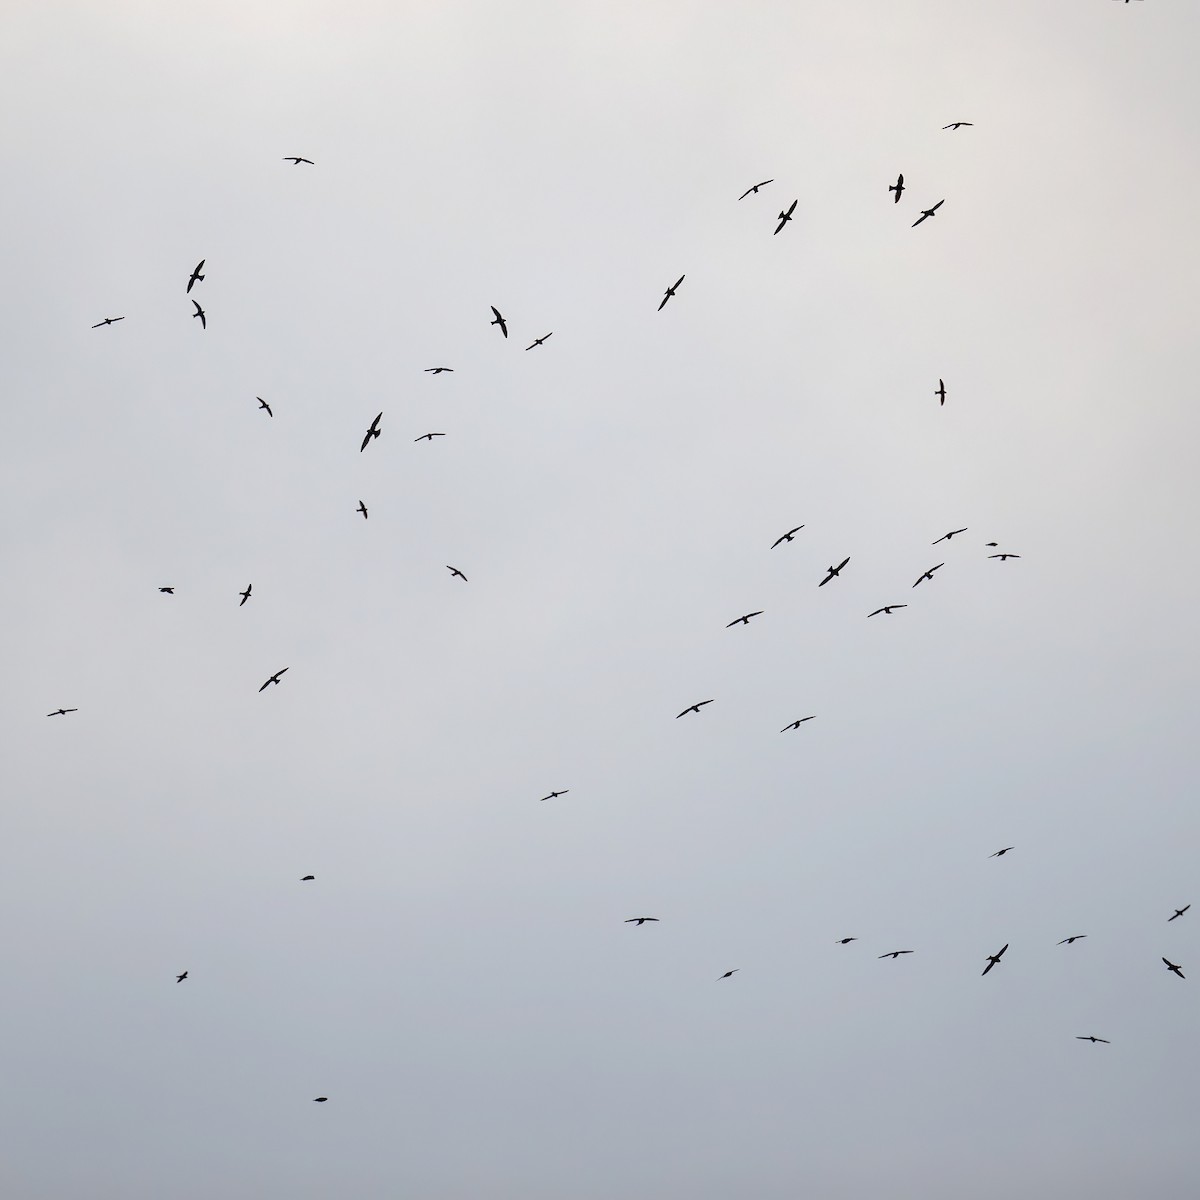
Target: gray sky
x=459, y=979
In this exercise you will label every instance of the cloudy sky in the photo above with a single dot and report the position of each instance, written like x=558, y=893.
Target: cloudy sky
x=459, y=979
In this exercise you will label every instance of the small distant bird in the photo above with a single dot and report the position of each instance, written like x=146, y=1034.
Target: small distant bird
x=263, y=404
x=297, y=160
x=555, y=795
x=107, y=321
x=929, y=574
x=438, y=370
x=940, y=393
x=960, y=124
x=798, y=722
x=245, y=595
x=455, y=571
x=199, y=313
x=846, y=941
x=670, y=291
x=728, y=973
x=898, y=188
x=787, y=537
x=1001, y=853
x=895, y=953
x=992, y=543
x=306, y=878
x=1102, y=1041
x=61, y=712
x=1004, y=557
x=1174, y=968
x=181, y=978
x=755, y=188
x=1178, y=913
x=639, y=920
x=993, y=959
x=196, y=276
x=744, y=620
x=169, y=591
x=834, y=572
x=274, y=679
x=1072, y=939
x=947, y=536
x=428, y=437
x=785, y=217
x=539, y=341
x=320, y=1099
x=362, y=508
x=499, y=320
x=887, y=608
x=694, y=708
x=373, y=432
x=926, y=213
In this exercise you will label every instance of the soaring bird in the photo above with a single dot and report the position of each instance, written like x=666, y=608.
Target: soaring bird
x=960, y=124
x=199, y=313
x=1072, y=939
x=787, y=537
x=455, y=571
x=170, y=591
x=296, y=160
x=897, y=187
x=798, y=722
x=181, y=978
x=1178, y=913
x=785, y=217
x=1174, y=968
x=639, y=920
x=1004, y=557
x=428, y=437
x=245, y=595
x=499, y=320
x=728, y=973
x=263, y=404
x=320, y=1099
x=362, y=508
x=993, y=959
x=928, y=574
x=926, y=213
x=834, y=572
x=539, y=341
x=373, y=432
x=555, y=795
x=438, y=370
x=274, y=679
x=306, y=878
x=755, y=188
x=1103, y=1041
x=744, y=620
x=947, y=536
x=670, y=291
x=693, y=708
x=895, y=953
x=108, y=321
x=61, y=712
x=1001, y=853
x=940, y=393
x=196, y=276
x=846, y=941
x=887, y=608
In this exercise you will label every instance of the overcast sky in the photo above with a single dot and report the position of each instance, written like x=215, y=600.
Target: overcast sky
x=459, y=979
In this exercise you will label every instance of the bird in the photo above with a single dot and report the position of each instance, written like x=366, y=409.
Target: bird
x=539, y=341
x=993, y=959
x=428, y=437
x=1089, y=1038
x=263, y=404
x=181, y=978
x=926, y=213
x=846, y=941
x=274, y=679
x=373, y=432
x=199, y=313
x=438, y=370
x=455, y=571
x=895, y=953
x=107, y=321
x=728, y=973
x=960, y=124
x=785, y=217
x=897, y=187
x=1004, y=557
x=61, y=712
x=499, y=320
x=320, y=1099
x=196, y=276
x=693, y=708
x=170, y=591
x=1001, y=853
x=555, y=795
x=1073, y=938
x=296, y=160
x=1174, y=968
x=940, y=393
x=306, y=878
x=639, y=920
x=797, y=723
x=755, y=188
x=670, y=292
x=834, y=572
x=991, y=543
x=947, y=536
x=887, y=608
x=929, y=574
x=744, y=620
x=1178, y=913
x=787, y=537
x=362, y=508
x=245, y=595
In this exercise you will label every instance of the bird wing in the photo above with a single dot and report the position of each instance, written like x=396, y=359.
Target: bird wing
x=875, y=613
x=843, y=562
x=678, y=282
x=365, y=440
x=778, y=540
x=793, y=207
x=937, y=206
x=990, y=965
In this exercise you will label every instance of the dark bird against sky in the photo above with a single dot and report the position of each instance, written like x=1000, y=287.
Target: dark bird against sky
x=1004, y=557
x=1174, y=968
x=1102, y=1041
x=926, y=213
x=755, y=188
x=263, y=404
x=957, y=124
x=993, y=959
x=928, y=574
x=455, y=571
x=555, y=795
x=888, y=609
x=834, y=572
x=170, y=591
x=108, y=321
x=947, y=536
x=499, y=320
x=798, y=722
x=940, y=392
x=306, y=878
x=895, y=953
x=61, y=712
x=846, y=941
x=1001, y=853
x=372, y=432
x=785, y=217
x=639, y=920
x=670, y=292
x=428, y=437
x=199, y=313
x=181, y=978
x=744, y=620
x=898, y=188
x=728, y=973
x=245, y=595
x=439, y=370
x=539, y=341
x=274, y=679
x=296, y=160
x=1075, y=937
x=362, y=508
x=1178, y=913
x=787, y=537
x=693, y=708
x=196, y=276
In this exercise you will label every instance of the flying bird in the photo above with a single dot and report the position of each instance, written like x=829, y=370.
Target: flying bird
x=929, y=574
x=455, y=571
x=362, y=508
x=797, y=723
x=1072, y=939
x=728, y=973
x=306, y=878
x=181, y=978
x=670, y=291
x=887, y=608
x=1174, y=968
x=169, y=591
x=1004, y=557
x=1103, y=1041
x=694, y=708
x=320, y=1099
x=555, y=795
x=498, y=320
x=539, y=341
x=428, y=437
x=1178, y=913
x=993, y=959
x=846, y=941
x=196, y=276
x=960, y=124
x=755, y=188
x=1001, y=853
x=107, y=321
x=744, y=620
x=199, y=313
x=296, y=160
x=245, y=595
x=897, y=187
x=940, y=393
x=438, y=370
x=926, y=213
x=834, y=572
x=992, y=543
x=639, y=920
x=274, y=679
x=263, y=404
x=785, y=217
x=787, y=537
x=373, y=432
x=895, y=953
x=61, y=712
x=947, y=536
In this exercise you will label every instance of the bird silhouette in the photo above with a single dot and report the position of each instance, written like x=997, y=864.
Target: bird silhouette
x=744, y=620
x=170, y=591
x=947, y=536
x=245, y=595
x=1178, y=913
x=928, y=574
x=455, y=571
x=787, y=537
x=263, y=404
x=1102, y=1041
x=362, y=508
x=926, y=213
x=940, y=393
x=372, y=432
x=993, y=959
x=438, y=370
x=499, y=320
x=1174, y=968
x=306, y=878
x=693, y=708
x=887, y=609
x=639, y=920
x=897, y=187
x=755, y=188
x=960, y=124
x=539, y=341
x=895, y=953
x=296, y=160
x=196, y=276
x=846, y=941
x=274, y=679
x=181, y=978
x=728, y=973
x=108, y=321
x=1072, y=939
x=61, y=712
x=199, y=313
x=785, y=217
x=798, y=722
x=1004, y=557
x=670, y=292
x=555, y=795
x=1001, y=853
x=428, y=437
x=320, y=1099
x=834, y=572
